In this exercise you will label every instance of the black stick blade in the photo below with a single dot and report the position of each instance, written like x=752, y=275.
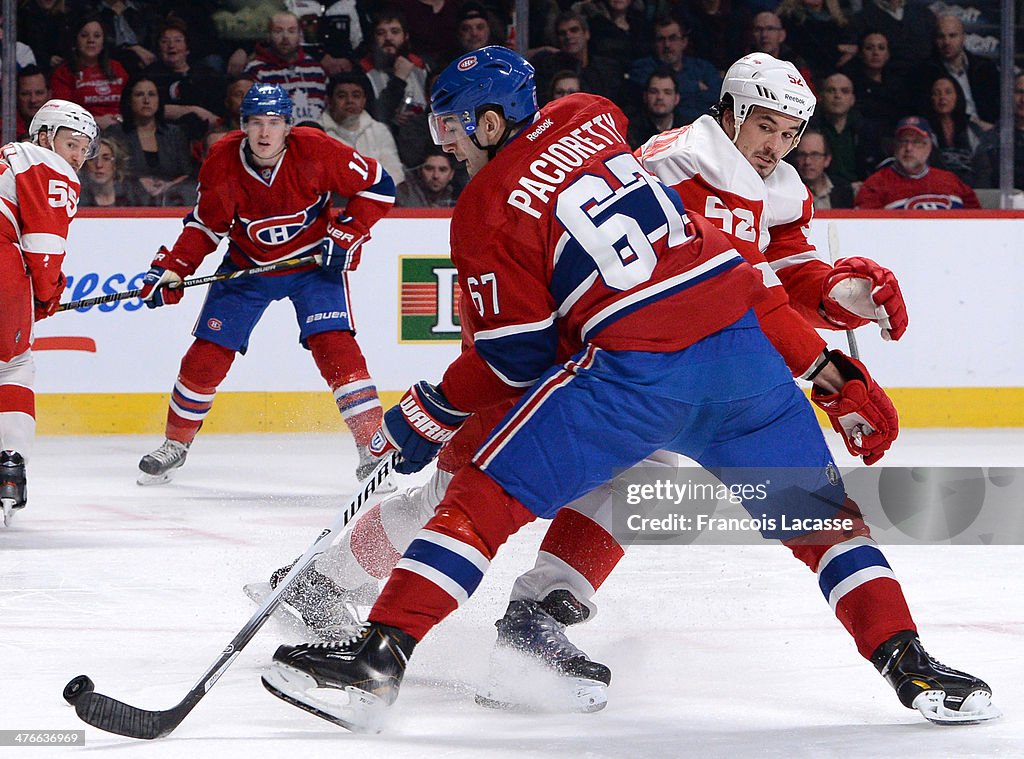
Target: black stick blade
x=116, y=717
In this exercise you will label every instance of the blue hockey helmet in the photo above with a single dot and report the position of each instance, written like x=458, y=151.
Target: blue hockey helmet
x=492, y=75
x=266, y=100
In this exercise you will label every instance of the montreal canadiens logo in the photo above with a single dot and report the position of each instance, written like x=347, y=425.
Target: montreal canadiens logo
x=214, y=324
x=278, y=230
x=467, y=64
x=931, y=202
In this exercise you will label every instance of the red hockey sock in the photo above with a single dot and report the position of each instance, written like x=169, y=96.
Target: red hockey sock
x=371, y=546
x=342, y=365
x=203, y=368
x=584, y=545
x=446, y=561
x=861, y=588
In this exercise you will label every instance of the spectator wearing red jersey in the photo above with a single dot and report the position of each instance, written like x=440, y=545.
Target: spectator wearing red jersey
x=89, y=76
x=909, y=182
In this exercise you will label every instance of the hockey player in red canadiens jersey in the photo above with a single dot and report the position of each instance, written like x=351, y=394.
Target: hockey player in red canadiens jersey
x=564, y=243
x=729, y=167
x=39, y=191
x=268, y=190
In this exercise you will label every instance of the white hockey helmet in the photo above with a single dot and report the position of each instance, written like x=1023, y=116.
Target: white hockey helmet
x=761, y=79
x=54, y=114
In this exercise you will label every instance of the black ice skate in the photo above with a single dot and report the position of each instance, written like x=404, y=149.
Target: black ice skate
x=157, y=467
x=943, y=695
x=13, y=488
x=316, y=606
x=350, y=683
x=562, y=676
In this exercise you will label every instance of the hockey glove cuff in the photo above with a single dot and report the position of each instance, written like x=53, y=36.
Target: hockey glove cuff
x=861, y=411
x=44, y=308
x=161, y=287
x=858, y=291
x=417, y=427
x=343, y=244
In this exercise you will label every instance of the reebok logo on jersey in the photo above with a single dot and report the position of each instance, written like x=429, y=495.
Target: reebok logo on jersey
x=540, y=129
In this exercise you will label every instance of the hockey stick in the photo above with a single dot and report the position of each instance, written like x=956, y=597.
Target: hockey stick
x=289, y=263
x=115, y=716
x=833, y=254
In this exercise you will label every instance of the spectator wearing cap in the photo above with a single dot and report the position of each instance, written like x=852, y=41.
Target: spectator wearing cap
x=909, y=183
x=346, y=119
x=698, y=82
x=476, y=27
x=812, y=158
x=658, y=113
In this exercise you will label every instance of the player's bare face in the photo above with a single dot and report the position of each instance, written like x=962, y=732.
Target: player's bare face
x=765, y=137
x=266, y=136
x=465, y=151
x=73, y=147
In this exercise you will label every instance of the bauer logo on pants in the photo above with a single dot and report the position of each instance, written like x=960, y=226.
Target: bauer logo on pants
x=429, y=300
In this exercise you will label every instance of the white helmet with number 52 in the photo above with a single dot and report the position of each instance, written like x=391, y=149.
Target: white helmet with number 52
x=760, y=79
x=54, y=114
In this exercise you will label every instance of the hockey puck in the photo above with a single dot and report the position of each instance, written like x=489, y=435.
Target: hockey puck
x=78, y=686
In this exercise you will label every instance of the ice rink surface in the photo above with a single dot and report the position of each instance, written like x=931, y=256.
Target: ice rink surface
x=717, y=651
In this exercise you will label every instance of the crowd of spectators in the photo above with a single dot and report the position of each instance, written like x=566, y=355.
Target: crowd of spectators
x=164, y=80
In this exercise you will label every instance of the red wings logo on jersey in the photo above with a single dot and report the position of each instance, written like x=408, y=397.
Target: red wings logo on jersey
x=279, y=230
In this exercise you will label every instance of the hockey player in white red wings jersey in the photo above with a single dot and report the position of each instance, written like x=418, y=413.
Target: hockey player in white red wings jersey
x=38, y=199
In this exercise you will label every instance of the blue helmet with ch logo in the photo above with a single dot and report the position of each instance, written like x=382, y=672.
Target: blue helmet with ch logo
x=266, y=100
x=492, y=75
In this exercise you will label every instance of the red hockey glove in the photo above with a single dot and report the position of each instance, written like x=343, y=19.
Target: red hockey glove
x=417, y=427
x=861, y=411
x=858, y=291
x=44, y=308
x=161, y=287
x=343, y=245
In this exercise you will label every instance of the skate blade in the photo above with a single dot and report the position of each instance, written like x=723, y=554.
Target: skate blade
x=977, y=707
x=576, y=694
x=351, y=708
x=154, y=479
x=521, y=683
